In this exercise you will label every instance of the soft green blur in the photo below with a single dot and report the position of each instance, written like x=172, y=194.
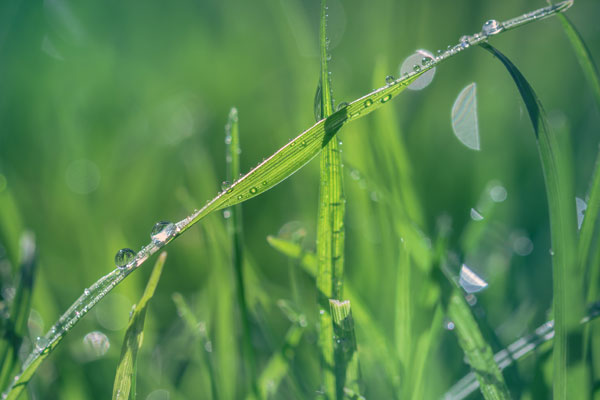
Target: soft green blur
x=112, y=118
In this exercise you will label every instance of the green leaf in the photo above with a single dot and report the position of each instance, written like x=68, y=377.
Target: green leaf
x=125, y=377
x=569, y=375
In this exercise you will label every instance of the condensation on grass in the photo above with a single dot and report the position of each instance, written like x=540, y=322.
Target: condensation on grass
x=476, y=215
x=414, y=63
x=464, y=117
x=470, y=281
x=580, y=206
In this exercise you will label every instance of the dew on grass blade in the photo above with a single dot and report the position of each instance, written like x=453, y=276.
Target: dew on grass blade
x=498, y=193
x=464, y=117
x=41, y=343
x=96, y=344
x=491, y=27
x=412, y=64
x=161, y=232
x=389, y=79
x=580, y=206
x=475, y=215
x=124, y=257
x=470, y=281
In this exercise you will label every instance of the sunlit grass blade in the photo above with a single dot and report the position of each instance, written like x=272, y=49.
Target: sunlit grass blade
x=330, y=228
x=16, y=327
x=570, y=374
x=198, y=330
x=125, y=377
x=234, y=225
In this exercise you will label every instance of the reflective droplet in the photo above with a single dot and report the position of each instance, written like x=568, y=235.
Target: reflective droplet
x=386, y=98
x=96, y=344
x=470, y=281
x=475, y=215
x=124, y=257
x=253, y=190
x=161, y=232
x=343, y=104
x=448, y=325
x=464, y=117
x=41, y=343
x=491, y=27
x=368, y=102
x=498, y=193
x=411, y=64
x=426, y=60
x=389, y=79
x=580, y=206
x=225, y=185
x=86, y=292
x=228, y=139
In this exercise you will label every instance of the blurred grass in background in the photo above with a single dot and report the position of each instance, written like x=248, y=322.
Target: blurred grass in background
x=112, y=116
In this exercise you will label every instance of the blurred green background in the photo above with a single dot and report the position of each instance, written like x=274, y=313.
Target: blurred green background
x=112, y=117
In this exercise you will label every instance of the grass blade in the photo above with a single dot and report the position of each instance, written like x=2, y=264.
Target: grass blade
x=234, y=224
x=569, y=374
x=125, y=377
x=330, y=231
x=19, y=312
x=198, y=330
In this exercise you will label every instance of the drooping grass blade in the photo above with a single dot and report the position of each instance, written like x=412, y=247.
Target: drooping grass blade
x=16, y=327
x=125, y=377
x=234, y=225
x=570, y=374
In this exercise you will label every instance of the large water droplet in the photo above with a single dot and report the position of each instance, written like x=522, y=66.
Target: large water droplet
x=412, y=63
x=389, y=79
x=161, y=232
x=124, y=257
x=96, y=344
x=580, y=206
x=470, y=281
x=491, y=27
x=464, y=117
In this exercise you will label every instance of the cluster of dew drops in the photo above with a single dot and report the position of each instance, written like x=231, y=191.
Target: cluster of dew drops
x=161, y=232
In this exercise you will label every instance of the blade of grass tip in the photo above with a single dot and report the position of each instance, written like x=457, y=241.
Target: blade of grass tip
x=330, y=229
x=19, y=311
x=198, y=330
x=273, y=170
x=234, y=224
x=570, y=375
x=346, y=357
x=125, y=377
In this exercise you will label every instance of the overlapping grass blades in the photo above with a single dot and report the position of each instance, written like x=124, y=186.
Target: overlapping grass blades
x=125, y=377
x=569, y=371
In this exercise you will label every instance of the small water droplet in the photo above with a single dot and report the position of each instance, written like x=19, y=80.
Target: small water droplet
x=41, y=343
x=322, y=312
x=225, y=185
x=386, y=98
x=491, y=27
x=124, y=257
x=265, y=183
x=470, y=281
x=416, y=68
x=449, y=325
x=253, y=190
x=368, y=102
x=475, y=215
x=389, y=79
x=86, y=292
x=228, y=139
x=342, y=105
x=161, y=232
x=240, y=197
x=580, y=206
x=425, y=61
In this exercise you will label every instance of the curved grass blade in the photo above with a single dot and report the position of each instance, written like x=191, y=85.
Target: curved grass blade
x=125, y=377
x=569, y=372
x=16, y=327
x=198, y=330
x=273, y=170
x=234, y=224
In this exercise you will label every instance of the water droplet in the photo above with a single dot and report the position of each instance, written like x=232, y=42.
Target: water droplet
x=580, y=206
x=386, y=98
x=470, y=281
x=161, y=232
x=551, y=252
x=96, y=344
x=491, y=27
x=389, y=79
x=86, y=292
x=228, y=139
x=41, y=343
x=464, y=117
x=253, y=190
x=124, y=257
x=322, y=312
x=449, y=325
x=426, y=60
x=475, y=215
x=225, y=185
x=342, y=105
x=368, y=102
x=265, y=183
x=498, y=193
x=464, y=42
x=412, y=64
x=240, y=197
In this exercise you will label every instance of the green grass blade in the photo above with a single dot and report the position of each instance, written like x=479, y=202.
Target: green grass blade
x=569, y=375
x=234, y=222
x=198, y=330
x=330, y=230
x=16, y=327
x=477, y=351
x=125, y=377
x=11, y=226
